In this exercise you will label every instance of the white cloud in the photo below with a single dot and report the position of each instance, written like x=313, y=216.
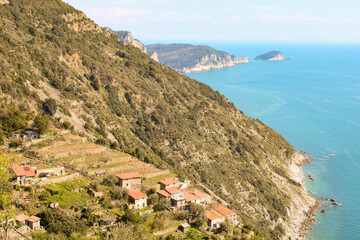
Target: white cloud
x=297, y=18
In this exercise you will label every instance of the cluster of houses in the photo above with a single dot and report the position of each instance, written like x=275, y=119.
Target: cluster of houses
x=180, y=195
x=27, y=134
x=29, y=222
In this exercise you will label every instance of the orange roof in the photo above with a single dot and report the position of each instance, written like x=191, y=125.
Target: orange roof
x=129, y=175
x=136, y=194
x=23, y=171
x=163, y=193
x=224, y=210
x=200, y=194
x=33, y=219
x=172, y=190
x=191, y=197
x=212, y=215
x=169, y=181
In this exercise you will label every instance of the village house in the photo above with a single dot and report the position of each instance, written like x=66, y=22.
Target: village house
x=214, y=218
x=228, y=213
x=32, y=222
x=24, y=175
x=138, y=199
x=29, y=134
x=169, y=182
x=195, y=196
x=129, y=180
x=219, y=214
x=174, y=195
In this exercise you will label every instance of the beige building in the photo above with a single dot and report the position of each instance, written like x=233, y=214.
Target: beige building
x=219, y=214
x=24, y=175
x=138, y=199
x=32, y=222
x=130, y=180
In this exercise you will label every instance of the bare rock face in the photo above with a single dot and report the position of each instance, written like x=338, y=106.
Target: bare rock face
x=127, y=37
x=154, y=56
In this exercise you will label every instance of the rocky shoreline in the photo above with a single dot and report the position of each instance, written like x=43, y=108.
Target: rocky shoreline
x=304, y=206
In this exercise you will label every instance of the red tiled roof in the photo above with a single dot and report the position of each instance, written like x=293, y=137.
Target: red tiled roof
x=23, y=171
x=169, y=181
x=129, y=175
x=136, y=194
x=200, y=194
x=212, y=215
x=224, y=210
x=191, y=197
x=172, y=190
x=163, y=193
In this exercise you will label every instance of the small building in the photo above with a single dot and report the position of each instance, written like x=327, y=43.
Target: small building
x=184, y=227
x=24, y=175
x=169, y=182
x=32, y=222
x=214, y=219
x=196, y=196
x=29, y=134
x=138, y=199
x=228, y=213
x=163, y=194
x=130, y=180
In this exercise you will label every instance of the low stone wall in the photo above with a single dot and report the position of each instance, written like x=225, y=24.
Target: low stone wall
x=58, y=180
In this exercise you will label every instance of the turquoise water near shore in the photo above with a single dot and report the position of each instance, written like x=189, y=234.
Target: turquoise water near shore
x=313, y=100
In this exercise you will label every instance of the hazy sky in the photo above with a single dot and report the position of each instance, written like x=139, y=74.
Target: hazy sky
x=230, y=20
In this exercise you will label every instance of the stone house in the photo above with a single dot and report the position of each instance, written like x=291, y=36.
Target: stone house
x=137, y=198
x=129, y=180
x=196, y=196
x=29, y=134
x=219, y=214
x=24, y=175
x=169, y=182
x=228, y=213
x=32, y=222
x=214, y=219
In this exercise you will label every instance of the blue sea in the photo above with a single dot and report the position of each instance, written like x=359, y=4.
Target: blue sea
x=313, y=100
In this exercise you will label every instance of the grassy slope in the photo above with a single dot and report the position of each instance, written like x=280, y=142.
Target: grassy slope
x=117, y=92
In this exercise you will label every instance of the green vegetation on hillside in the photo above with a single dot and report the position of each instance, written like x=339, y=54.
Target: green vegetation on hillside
x=114, y=92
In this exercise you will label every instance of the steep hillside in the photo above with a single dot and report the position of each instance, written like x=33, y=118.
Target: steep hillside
x=58, y=65
x=191, y=58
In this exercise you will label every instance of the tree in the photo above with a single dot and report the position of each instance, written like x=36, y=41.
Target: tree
x=6, y=210
x=50, y=106
x=162, y=205
x=42, y=123
x=152, y=199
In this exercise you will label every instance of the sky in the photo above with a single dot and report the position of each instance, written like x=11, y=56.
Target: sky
x=292, y=21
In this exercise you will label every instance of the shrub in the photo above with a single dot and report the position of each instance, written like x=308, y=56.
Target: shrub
x=50, y=106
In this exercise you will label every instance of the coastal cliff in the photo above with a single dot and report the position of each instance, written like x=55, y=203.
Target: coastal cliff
x=271, y=56
x=186, y=58
x=71, y=70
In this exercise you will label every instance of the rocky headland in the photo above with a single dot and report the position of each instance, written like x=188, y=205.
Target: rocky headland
x=186, y=58
x=271, y=56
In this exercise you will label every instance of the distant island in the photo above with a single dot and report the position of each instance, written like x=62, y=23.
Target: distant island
x=271, y=56
x=186, y=58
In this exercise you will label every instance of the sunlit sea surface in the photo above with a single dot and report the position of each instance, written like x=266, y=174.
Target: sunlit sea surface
x=313, y=100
